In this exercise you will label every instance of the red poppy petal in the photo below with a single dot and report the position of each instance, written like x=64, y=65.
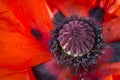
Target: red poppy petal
x=8, y=21
x=12, y=74
x=66, y=74
x=71, y=7
x=115, y=76
x=106, y=69
x=31, y=13
x=114, y=8
x=100, y=71
x=111, y=7
x=16, y=41
x=111, y=30
x=19, y=51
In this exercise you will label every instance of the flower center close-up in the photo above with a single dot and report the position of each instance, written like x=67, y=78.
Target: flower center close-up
x=60, y=40
x=77, y=42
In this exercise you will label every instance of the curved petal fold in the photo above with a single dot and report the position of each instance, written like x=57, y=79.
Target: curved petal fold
x=21, y=51
x=115, y=76
x=13, y=74
x=29, y=14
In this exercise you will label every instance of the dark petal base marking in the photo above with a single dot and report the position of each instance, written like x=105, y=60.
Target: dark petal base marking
x=58, y=18
x=78, y=62
x=116, y=49
x=41, y=73
x=36, y=33
x=98, y=13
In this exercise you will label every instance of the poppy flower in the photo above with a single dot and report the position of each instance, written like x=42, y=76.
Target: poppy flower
x=25, y=29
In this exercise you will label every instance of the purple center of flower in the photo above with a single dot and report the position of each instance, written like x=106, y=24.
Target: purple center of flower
x=76, y=38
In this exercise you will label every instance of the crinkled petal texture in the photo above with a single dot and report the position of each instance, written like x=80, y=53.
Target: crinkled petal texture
x=20, y=45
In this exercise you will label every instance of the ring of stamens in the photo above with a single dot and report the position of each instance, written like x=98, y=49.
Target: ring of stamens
x=77, y=42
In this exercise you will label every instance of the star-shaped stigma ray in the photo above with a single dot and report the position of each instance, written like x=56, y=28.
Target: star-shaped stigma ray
x=76, y=38
x=77, y=42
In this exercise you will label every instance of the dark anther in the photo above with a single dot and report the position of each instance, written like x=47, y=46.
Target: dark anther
x=98, y=13
x=36, y=33
x=116, y=49
x=41, y=73
x=58, y=18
